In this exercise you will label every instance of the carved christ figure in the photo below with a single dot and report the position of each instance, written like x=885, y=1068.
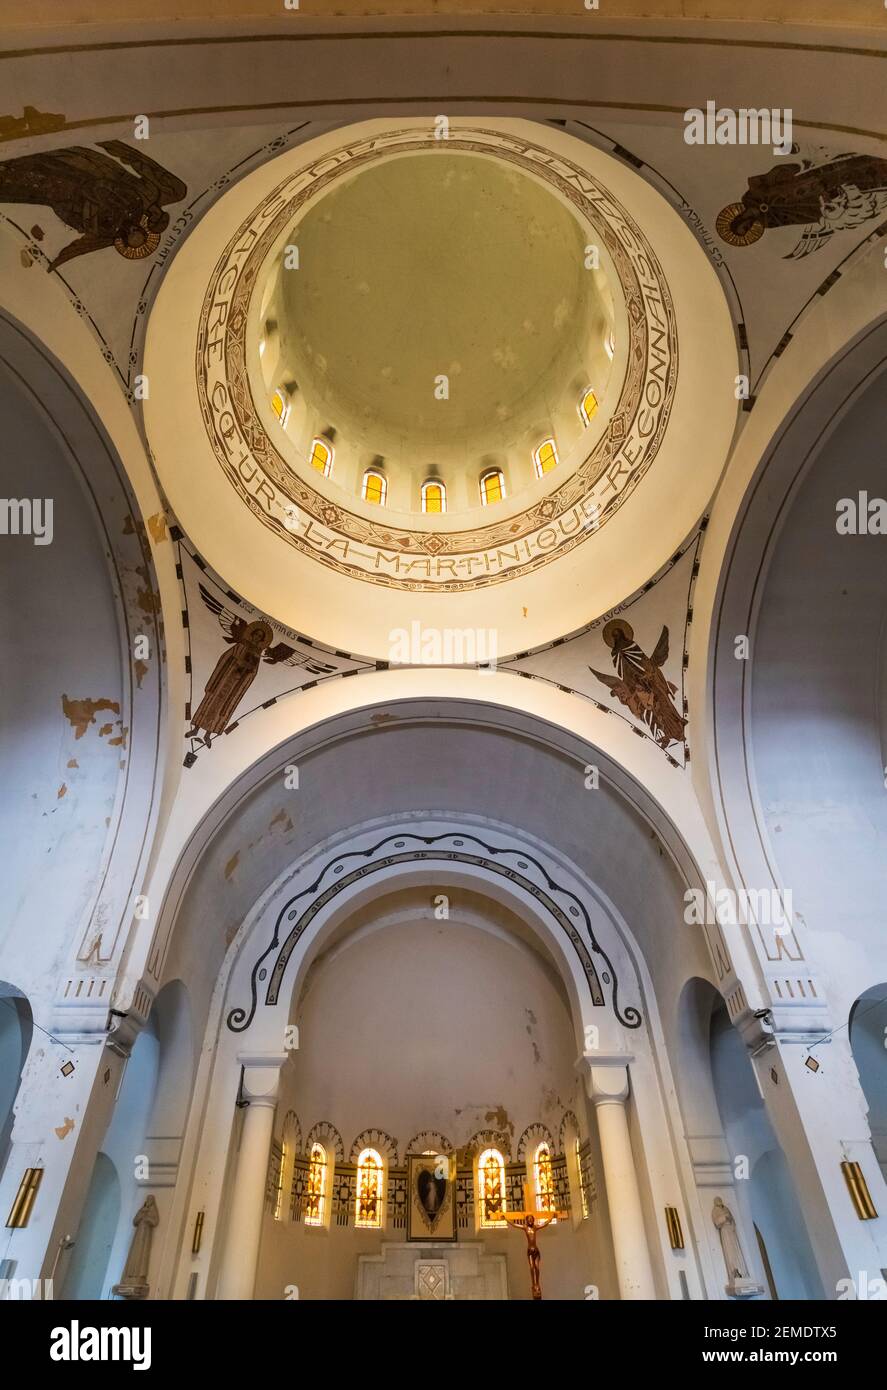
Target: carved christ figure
x=531, y=1223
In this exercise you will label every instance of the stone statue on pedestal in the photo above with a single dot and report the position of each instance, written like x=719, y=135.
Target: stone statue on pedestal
x=739, y=1281
x=134, y=1281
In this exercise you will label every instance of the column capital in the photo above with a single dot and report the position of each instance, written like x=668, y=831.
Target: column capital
x=261, y=1076
x=606, y=1077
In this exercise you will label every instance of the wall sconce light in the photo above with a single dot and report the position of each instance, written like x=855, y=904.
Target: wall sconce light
x=673, y=1226
x=198, y=1234
x=858, y=1189
x=20, y=1211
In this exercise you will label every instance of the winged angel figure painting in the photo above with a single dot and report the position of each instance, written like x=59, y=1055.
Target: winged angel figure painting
x=639, y=683
x=824, y=197
x=249, y=644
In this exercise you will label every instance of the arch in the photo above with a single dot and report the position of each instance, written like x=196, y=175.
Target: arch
x=434, y=495
x=87, y=1271
x=767, y=1199
x=374, y=488
x=489, y=1138
x=545, y=457
x=321, y=456
x=428, y=1141
x=569, y=1129
x=326, y=1134
x=369, y=1187
x=588, y=405
x=375, y=1139
x=490, y=1186
x=532, y=1137
x=741, y=557
x=316, y=1200
x=563, y=913
x=868, y=1030
x=543, y=1178
x=16, y=1032
x=492, y=486
x=101, y=561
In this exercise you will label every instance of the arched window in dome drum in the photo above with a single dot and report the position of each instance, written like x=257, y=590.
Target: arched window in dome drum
x=375, y=487
x=434, y=496
x=279, y=406
x=321, y=456
x=588, y=405
x=492, y=486
x=368, y=1202
x=491, y=1187
x=545, y=457
x=315, y=1189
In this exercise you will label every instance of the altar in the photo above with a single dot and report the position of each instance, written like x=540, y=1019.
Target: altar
x=432, y=1271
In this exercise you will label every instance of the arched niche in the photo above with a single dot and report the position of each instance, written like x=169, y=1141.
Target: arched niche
x=87, y=1274
x=868, y=1036
x=404, y=1020
x=764, y=1187
x=798, y=728
x=79, y=716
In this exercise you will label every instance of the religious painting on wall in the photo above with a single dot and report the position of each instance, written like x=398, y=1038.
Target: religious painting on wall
x=431, y=1197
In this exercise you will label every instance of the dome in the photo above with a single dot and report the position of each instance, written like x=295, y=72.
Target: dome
x=434, y=315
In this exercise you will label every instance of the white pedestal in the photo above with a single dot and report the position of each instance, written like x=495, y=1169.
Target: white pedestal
x=432, y=1271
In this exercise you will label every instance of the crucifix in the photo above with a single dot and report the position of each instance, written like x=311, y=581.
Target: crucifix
x=531, y=1221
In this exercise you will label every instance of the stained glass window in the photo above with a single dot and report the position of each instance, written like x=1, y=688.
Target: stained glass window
x=279, y=406
x=544, y=1179
x=368, y=1212
x=491, y=1184
x=588, y=405
x=321, y=456
x=434, y=496
x=492, y=486
x=545, y=457
x=375, y=487
x=582, y=1193
x=278, y=1198
x=315, y=1189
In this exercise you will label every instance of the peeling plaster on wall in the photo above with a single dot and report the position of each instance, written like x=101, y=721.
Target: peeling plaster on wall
x=157, y=525
x=81, y=713
x=63, y=1130
x=232, y=864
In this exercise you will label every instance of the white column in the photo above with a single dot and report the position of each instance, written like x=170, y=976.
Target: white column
x=608, y=1087
x=261, y=1076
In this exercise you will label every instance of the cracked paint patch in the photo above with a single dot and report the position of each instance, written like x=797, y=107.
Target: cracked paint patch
x=81, y=713
x=232, y=864
x=72, y=762
x=141, y=670
x=62, y=791
x=282, y=818
x=65, y=1129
